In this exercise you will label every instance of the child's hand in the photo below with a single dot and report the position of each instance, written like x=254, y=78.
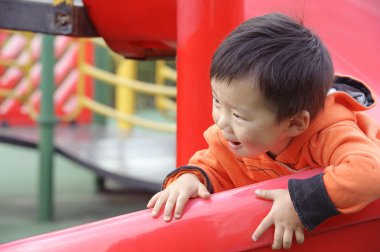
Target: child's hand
x=176, y=195
x=283, y=216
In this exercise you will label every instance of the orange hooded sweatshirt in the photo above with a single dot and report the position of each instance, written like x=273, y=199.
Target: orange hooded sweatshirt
x=341, y=139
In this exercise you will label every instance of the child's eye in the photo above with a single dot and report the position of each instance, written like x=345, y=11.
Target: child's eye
x=216, y=100
x=237, y=116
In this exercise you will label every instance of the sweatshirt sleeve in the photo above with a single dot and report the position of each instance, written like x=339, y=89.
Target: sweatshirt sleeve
x=351, y=178
x=209, y=164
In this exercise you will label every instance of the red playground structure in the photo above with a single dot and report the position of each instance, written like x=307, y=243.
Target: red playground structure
x=191, y=30
x=12, y=111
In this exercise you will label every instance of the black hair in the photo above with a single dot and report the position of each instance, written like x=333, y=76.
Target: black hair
x=286, y=61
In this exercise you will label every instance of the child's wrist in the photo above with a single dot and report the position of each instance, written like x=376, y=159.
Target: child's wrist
x=189, y=175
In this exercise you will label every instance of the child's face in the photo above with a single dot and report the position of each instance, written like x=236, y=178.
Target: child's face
x=249, y=127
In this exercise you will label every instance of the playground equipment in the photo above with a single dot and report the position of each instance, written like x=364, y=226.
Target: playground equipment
x=91, y=145
x=209, y=225
x=198, y=19
x=200, y=27
x=21, y=75
x=64, y=17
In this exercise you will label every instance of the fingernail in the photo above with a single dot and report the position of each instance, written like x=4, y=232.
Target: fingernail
x=177, y=216
x=258, y=192
x=154, y=213
x=166, y=218
x=254, y=238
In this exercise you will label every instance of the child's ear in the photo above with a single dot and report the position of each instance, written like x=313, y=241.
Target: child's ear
x=298, y=123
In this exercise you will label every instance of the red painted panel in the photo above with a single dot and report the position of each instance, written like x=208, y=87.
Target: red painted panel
x=223, y=223
x=201, y=27
x=134, y=28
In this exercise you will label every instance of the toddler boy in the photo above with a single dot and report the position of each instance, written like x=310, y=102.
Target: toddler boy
x=278, y=109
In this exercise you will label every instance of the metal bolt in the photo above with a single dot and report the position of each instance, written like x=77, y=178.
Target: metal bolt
x=63, y=19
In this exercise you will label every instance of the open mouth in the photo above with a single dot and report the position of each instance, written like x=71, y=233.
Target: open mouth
x=234, y=144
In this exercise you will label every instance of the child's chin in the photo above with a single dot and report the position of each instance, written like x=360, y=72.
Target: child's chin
x=247, y=154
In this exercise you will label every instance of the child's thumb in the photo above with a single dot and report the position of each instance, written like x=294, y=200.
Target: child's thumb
x=266, y=194
x=203, y=192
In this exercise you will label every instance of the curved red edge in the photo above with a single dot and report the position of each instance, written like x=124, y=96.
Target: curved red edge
x=223, y=223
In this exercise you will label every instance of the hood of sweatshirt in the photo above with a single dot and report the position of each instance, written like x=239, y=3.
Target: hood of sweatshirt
x=346, y=98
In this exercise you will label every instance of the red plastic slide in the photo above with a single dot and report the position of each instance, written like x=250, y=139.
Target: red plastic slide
x=223, y=223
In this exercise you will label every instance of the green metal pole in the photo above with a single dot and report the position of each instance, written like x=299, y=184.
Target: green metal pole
x=102, y=94
x=46, y=123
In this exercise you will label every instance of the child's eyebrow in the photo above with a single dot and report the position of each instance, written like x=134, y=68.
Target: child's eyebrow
x=240, y=110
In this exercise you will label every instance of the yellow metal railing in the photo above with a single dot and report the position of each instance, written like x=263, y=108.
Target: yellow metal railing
x=136, y=85
x=25, y=67
x=126, y=86
x=68, y=2
x=163, y=73
x=125, y=96
x=124, y=82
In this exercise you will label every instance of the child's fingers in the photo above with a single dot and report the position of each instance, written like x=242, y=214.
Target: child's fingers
x=266, y=194
x=300, y=237
x=288, y=237
x=278, y=236
x=180, y=205
x=170, y=204
x=160, y=201
x=153, y=200
x=263, y=226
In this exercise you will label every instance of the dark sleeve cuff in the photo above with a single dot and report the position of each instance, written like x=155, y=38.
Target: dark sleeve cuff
x=190, y=169
x=311, y=201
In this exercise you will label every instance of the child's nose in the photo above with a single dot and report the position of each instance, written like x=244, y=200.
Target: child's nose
x=223, y=121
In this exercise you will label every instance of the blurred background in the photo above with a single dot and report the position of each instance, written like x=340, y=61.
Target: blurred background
x=109, y=115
